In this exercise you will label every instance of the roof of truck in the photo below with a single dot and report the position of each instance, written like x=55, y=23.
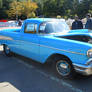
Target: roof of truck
x=44, y=19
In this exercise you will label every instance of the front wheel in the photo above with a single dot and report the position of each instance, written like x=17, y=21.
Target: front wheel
x=7, y=50
x=64, y=68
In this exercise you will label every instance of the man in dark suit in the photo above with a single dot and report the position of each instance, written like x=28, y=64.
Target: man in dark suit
x=89, y=22
x=77, y=24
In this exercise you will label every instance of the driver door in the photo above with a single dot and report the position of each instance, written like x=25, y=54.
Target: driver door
x=30, y=41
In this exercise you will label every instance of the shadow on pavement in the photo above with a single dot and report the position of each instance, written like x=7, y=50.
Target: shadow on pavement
x=81, y=82
x=27, y=78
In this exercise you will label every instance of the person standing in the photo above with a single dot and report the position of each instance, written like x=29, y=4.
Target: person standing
x=88, y=24
x=19, y=22
x=77, y=24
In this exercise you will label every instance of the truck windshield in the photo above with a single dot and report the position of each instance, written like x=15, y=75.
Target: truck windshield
x=54, y=27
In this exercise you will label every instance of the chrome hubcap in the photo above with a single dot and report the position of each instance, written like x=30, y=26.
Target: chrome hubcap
x=63, y=68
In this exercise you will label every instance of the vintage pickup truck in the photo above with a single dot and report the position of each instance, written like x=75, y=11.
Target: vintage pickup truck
x=51, y=40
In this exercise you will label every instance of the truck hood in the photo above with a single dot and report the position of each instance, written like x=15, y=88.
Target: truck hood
x=74, y=32
x=80, y=31
x=83, y=35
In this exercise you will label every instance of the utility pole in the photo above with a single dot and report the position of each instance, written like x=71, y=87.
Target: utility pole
x=16, y=15
x=1, y=3
x=16, y=11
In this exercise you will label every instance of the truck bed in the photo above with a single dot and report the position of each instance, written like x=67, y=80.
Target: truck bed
x=10, y=29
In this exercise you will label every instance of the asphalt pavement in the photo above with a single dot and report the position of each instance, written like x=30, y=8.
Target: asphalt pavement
x=20, y=74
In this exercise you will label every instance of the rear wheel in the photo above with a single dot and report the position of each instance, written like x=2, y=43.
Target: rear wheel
x=7, y=50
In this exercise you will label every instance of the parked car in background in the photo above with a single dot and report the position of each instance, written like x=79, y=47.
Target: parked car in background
x=51, y=40
x=3, y=20
x=8, y=24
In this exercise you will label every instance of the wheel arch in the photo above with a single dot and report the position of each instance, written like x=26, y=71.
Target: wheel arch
x=55, y=56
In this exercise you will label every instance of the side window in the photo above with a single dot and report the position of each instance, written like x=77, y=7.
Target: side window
x=31, y=28
x=42, y=28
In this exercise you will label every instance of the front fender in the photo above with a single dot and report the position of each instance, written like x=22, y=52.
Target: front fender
x=76, y=51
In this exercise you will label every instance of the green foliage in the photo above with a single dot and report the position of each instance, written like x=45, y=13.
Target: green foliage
x=90, y=10
x=84, y=7
x=29, y=8
x=48, y=8
x=18, y=9
x=4, y=8
x=15, y=9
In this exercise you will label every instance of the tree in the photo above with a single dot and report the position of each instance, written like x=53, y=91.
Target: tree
x=90, y=10
x=29, y=8
x=26, y=8
x=50, y=8
x=70, y=7
x=84, y=7
x=16, y=9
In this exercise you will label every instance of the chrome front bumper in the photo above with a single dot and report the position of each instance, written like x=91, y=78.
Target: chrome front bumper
x=83, y=69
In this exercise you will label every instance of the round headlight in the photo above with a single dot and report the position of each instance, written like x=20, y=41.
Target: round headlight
x=89, y=53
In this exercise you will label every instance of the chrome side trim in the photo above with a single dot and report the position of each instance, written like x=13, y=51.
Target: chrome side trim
x=53, y=48
x=62, y=50
x=5, y=38
x=57, y=49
